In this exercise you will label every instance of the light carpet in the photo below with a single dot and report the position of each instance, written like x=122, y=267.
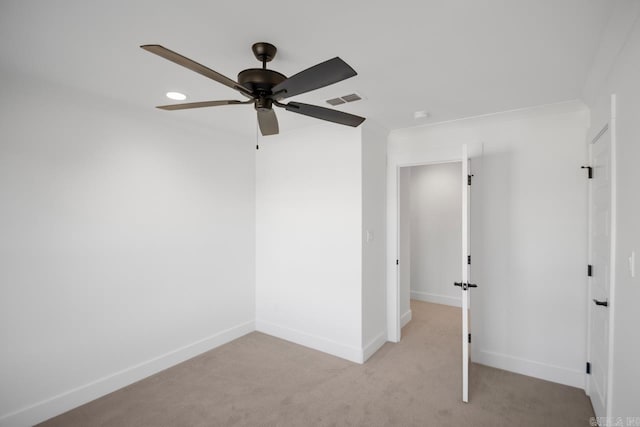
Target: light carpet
x=259, y=380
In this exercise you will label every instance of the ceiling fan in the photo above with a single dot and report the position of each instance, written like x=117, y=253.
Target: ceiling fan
x=265, y=88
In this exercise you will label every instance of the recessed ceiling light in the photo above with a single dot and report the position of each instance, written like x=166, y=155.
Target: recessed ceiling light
x=420, y=115
x=176, y=96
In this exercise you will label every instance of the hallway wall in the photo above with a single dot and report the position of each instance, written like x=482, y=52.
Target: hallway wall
x=127, y=245
x=436, y=232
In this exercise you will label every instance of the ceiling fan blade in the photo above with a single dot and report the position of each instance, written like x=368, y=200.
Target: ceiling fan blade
x=327, y=114
x=268, y=122
x=194, y=66
x=188, y=105
x=321, y=75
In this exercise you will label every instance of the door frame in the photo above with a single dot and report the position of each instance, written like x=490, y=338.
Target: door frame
x=397, y=158
x=608, y=126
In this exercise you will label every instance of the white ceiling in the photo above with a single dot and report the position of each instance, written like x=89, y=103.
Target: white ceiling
x=453, y=58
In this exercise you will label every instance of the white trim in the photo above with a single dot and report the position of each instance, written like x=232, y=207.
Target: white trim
x=406, y=318
x=436, y=298
x=612, y=260
x=562, y=106
x=55, y=405
x=442, y=162
x=353, y=354
x=465, y=273
x=587, y=380
x=556, y=374
x=395, y=333
x=374, y=345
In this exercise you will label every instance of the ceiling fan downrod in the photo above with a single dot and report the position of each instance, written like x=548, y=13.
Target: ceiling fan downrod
x=264, y=52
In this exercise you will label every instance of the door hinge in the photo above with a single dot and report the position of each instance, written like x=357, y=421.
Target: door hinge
x=469, y=338
x=589, y=169
x=469, y=259
x=589, y=270
x=469, y=179
x=397, y=262
x=588, y=367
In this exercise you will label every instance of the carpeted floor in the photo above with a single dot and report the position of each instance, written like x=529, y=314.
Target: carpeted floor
x=259, y=380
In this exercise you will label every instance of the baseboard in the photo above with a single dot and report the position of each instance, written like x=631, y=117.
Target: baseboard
x=63, y=402
x=556, y=374
x=436, y=299
x=374, y=345
x=315, y=342
x=406, y=318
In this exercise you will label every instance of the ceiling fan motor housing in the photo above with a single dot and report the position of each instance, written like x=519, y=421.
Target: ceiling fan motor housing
x=260, y=81
x=263, y=103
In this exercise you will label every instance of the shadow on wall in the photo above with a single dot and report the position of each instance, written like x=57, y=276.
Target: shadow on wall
x=492, y=245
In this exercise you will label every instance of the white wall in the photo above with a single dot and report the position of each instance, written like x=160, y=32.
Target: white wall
x=404, y=245
x=436, y=230
x=528, y=233
x=309, y=238
x=374, y=202
x=127, y=246
x=616, y=71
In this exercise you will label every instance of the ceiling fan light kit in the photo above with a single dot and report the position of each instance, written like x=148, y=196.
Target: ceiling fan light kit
x=265, y=88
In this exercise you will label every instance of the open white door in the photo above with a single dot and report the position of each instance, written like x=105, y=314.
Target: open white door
x=600, y=270
x=465, y=284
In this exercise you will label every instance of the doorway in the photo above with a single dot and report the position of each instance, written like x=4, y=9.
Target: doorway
x=430, y=234
x=398, y=295
x=433, y=244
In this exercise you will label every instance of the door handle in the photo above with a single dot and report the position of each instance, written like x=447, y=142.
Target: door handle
x=604, y=303
x=465, y=286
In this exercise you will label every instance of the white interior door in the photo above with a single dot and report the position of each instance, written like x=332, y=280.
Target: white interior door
x=600, y=248
x=465, y=285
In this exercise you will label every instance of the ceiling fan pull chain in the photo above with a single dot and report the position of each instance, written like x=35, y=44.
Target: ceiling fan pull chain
x=257, y=137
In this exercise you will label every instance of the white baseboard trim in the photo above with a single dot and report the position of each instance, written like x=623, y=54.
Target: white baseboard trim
x=374, y=345
x=530, y=368
x=406, y=318
x=315, y=342
x=70, y=399
x=436, y=299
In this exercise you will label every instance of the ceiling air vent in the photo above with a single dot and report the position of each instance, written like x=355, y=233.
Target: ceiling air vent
x=352, y=97
x=335, y=101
